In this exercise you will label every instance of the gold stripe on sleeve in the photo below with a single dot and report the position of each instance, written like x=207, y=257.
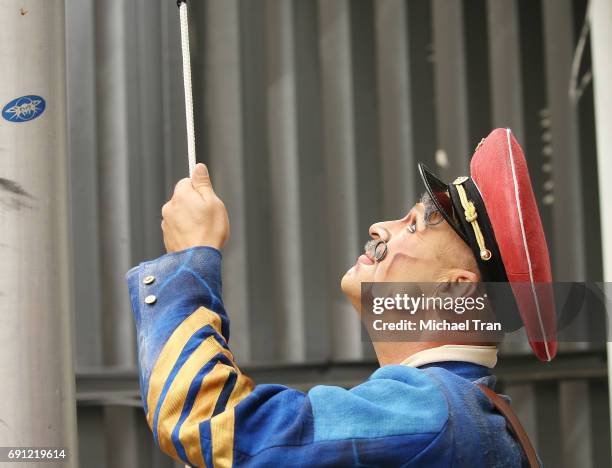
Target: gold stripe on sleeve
x=172, y=350
x=172, y=406
x=203, y=406
x=222, y=435
x=243, y=387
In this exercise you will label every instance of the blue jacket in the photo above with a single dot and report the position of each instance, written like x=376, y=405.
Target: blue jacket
x=204, y=411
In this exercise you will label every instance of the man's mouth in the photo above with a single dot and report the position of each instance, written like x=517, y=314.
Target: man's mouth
x=365, y=260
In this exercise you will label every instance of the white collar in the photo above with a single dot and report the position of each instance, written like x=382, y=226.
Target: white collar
x=481, y=355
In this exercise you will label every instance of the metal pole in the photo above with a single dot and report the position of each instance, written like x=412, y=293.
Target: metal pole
x=340, y=167
x=37, y=407
x=284, y=178
x=601, y=39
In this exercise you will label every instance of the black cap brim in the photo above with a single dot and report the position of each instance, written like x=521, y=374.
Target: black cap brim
x=439, y=193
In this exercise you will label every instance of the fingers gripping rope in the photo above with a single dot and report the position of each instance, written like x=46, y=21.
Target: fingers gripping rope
x=191, y=147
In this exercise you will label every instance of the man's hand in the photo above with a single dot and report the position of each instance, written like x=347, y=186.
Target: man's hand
x=194, y=216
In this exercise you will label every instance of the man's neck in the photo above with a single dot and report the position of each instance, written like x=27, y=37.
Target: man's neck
x=396, y=352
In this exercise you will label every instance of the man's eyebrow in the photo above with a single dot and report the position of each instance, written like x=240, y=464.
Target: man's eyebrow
x=427, y=202
x=425, y=199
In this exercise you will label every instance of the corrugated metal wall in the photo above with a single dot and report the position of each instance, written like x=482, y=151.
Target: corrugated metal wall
x=312, y=116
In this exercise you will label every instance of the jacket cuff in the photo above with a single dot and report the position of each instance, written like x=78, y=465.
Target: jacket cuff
x=163, y=279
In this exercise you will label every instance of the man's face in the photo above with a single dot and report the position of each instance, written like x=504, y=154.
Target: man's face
x=420, y=248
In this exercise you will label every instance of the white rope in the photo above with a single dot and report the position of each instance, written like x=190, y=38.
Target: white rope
x=191, y=147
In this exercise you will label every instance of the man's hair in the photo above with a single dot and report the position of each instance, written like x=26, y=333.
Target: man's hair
x=432, y=215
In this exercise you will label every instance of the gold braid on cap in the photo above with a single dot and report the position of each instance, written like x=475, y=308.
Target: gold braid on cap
x=471, y=217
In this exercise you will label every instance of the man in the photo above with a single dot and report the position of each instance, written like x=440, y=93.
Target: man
x=429, y=404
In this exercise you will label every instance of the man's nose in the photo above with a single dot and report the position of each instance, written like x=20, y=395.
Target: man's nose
x=380, y=231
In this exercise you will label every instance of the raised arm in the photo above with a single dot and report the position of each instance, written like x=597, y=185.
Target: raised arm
x=189, y=382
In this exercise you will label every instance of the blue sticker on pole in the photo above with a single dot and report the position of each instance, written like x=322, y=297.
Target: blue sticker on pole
x=24, y=108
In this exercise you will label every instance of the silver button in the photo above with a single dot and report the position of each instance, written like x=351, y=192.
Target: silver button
x=150, y=299
x=148, y=279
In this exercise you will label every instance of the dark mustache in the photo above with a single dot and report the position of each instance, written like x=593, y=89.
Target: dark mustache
x=375, y=249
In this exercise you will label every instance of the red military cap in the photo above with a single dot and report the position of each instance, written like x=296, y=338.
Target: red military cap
x=494, y=211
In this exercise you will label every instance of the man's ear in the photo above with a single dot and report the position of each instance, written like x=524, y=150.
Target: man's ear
x=457, y=275
x=458, y=282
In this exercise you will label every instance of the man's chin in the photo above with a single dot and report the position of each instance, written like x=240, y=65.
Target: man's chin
x=351, y=285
